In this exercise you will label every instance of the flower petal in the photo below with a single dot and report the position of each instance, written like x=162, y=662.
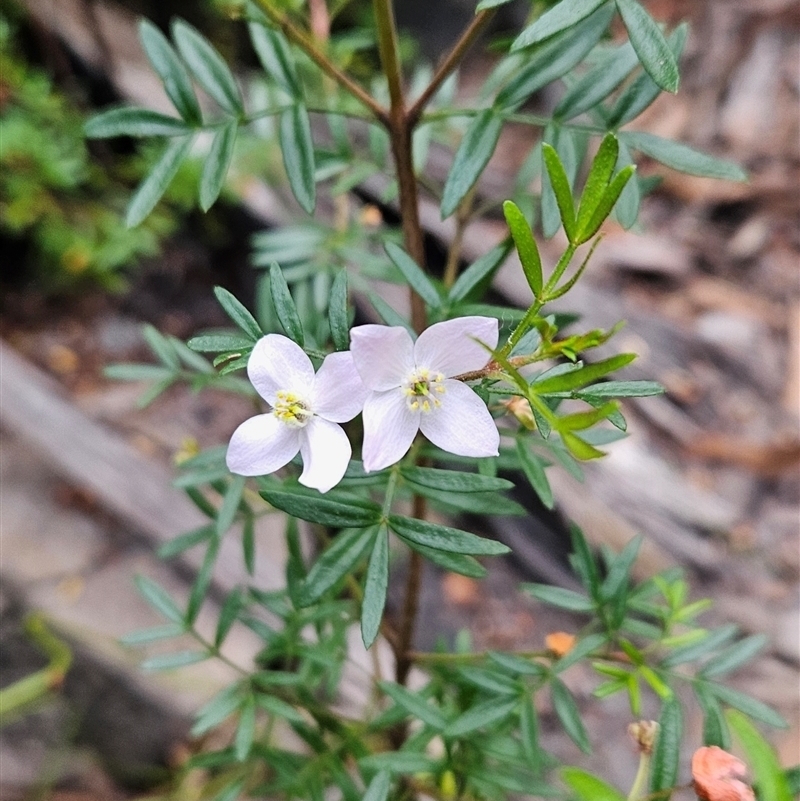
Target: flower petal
x=326, y=452
x=389, y=429
x=451, y=348
x=383, y=355
x=261, y=445
x=339, y=392
x=462, y=424
x=278, y=363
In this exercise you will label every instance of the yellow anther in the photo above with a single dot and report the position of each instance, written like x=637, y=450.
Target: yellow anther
x=291, y=409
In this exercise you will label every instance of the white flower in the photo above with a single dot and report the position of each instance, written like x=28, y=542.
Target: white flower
x=305, y=411
x=412, y=388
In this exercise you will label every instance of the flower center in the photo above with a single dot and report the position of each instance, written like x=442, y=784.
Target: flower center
x=421, y=389
x=291, y=409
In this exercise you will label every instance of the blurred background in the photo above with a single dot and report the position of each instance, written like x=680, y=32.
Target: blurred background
x=708, y=281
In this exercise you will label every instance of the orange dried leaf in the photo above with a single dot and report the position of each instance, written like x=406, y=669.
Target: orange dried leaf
x=559, y=643
x=718, y=776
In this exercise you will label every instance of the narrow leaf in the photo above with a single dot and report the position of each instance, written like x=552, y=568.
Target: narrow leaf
x=583, y=375
x=414, y=274
x=230, y=504
x=332, y=509
x=216, y=164
x=453, y=480
x=560, y=597
x=207, y=66
x=275, y=55
x=478, y=272
x=219, y=343
x=561, y=188
x=172, y=72
x=768, y=776
x=588, y=787
x=155, y=184
x=454, y=562
x=526, y=246
x=683, y=158
x=284, y=305
x=472, y=156
x=734, y=656
x=597, y=181
x=173, y=661
x=336, y=561
x=607, y=202
x=533, y=467
x=560, y=17
x=481, y=716
x=238, y=313
x=338, y=312
x=747, y=704
x=159, y=599
x=715, y=727
x=667, y=751
x=245, y=731
x=379, y=787
x=389, y=315
x=128, y=121
x=414, y=704
x=444, y=538
x=569, y=715
x=649, y=43
x=376, y=583
x=298, y=155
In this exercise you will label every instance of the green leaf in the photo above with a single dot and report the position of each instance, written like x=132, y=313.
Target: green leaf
x=413, y=273
x=715, y=727
x=583, y=562
x=734, y=656
x=284, y=305
x=667, y=751
x=473, y=154
x=332, y=509
x=533, y=467
x=228, y=614
x=491, y=680
x=580, y=448
x=172, y=72
x=597, y=181
x=202, y=582
x=398, y=762
x=650, y=45
x=389, y=315
x=567, y=711
x=626, y=209
x=129, y=121
x=526, y=246
x=336, y=561
x=793, y=780
x=414, y=704
x=529, y=733
x=338, y=312
x=207, y=66
x=622, y=389
x=682, y=157
x=480, y=716
x=558, y=18
x=379, y=787
x=231, y=791
x=694, y=651
x=607, y=202
x=747, y=704
x=597, y=83
x=220, y=707
x=137, y=372
x=584, y=647
x=230, y=504
x=588, y=787
x=453, y=480
x=249, y=544
x=184, y=542
x=144, y=636
x=768, y=775
x=219, y=343
x=376, y=583
x=560, y=597
x=246, y=730
x=275, y=55
x=643, y=90
x=155, y=184
x=479, y=271
x=553, y=59
x=159, y=599
x=487, y=4
x=216, y=165
x=275, y=706
x=238, y=313
x=160, y=346
x=577, y=378
x=444, y=538
x=619, y=573
x=173, y=661
x=561, y=188
x=454, y=562
x=298, y=155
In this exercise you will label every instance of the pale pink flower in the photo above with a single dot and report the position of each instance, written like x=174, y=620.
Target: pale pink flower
x=412, y=388
x=305, y=411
